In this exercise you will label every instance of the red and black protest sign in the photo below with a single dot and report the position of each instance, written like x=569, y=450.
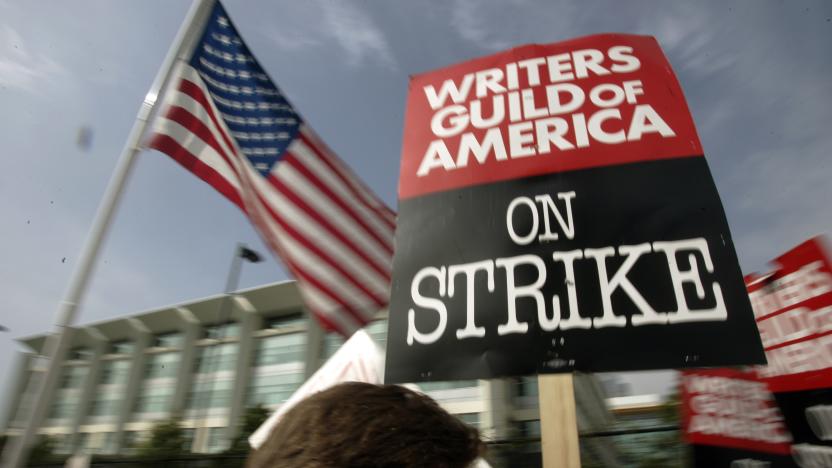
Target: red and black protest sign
x=732, y=419
x=556, y=213
x=790, y=420
x=793, y=309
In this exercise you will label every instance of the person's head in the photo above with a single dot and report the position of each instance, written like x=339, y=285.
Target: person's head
x=354, y=425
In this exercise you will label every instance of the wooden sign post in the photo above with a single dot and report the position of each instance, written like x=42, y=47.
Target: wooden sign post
x=558, y=421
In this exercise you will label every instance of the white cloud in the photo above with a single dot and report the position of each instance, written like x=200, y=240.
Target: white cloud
x=473, y=26
x=20, y=68
x=357, y=34
x=317, y=24
x=685, y=35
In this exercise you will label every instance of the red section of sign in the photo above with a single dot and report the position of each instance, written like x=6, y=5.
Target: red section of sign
x=633, y=110
x=730, y=408
x=793, y=308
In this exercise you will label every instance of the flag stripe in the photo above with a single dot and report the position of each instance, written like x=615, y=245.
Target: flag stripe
x=308, y=162
x=324, y=280
x=339, y=219
x=187, y=120
x=172, y=148
x=180, y=115
x=328, y=227
x=358, y=188
x=334, y=235
x=318, y=252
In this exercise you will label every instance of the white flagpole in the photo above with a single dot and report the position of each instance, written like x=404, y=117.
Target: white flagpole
x=16, y=452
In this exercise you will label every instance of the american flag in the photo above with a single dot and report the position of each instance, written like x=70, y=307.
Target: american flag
x=226, y=121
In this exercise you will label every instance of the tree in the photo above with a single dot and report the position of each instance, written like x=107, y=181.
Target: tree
x=43, y=451
x=253, y=418
x=669, y=447
x=167, y=440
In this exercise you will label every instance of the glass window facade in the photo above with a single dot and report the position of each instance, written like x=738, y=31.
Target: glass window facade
x=73, y=376
x=273, y=389
x=209, y=393
x=226, y=330
x=169, y=340
x=64, y=407
x=428, y=387
x=471, y=419
x=79, y=354
x=161, y=365
x=278, y=369
x=216, y=440
x=155, y=398
x=217, y=358
x=109, y=394
x=376, y=329
x=106, y=404
x=280, y=349
x=65, y=403
x=278, y=323
x=121, y=347
x=114, y=372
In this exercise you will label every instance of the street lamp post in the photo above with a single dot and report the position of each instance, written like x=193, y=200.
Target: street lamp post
x=241, y=252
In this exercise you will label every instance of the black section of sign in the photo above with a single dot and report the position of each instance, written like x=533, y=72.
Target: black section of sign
x=808, y=415
x=616, y=206
x=707, y=456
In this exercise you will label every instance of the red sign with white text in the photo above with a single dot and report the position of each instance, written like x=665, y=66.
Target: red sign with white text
x=730, y=408
x=538, y=109
x=793, y=309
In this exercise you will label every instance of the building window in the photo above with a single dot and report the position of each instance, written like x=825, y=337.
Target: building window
x=169, y=340
x=529, y=429
x=162, y=365
x=108, y=445
x=273, y=389
x=286, y=321
x=62, y=443
x=280, y=349
x=377, y=330
x=155, y=397
x=448, y=385
x=105, y=405
x=80, y=354
x=63, y=409
x=188, y=435
x=226, y=330
x=526, y=387
x=217, y=358
x=216, y=440
x=114, y=372
x=73, y=376
x=210, y=394
x=121, y=347
x=471, y=419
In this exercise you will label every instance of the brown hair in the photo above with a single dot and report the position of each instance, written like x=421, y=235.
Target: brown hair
x=359, y=425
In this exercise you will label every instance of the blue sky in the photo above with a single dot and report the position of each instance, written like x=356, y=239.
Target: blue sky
x=756, y=75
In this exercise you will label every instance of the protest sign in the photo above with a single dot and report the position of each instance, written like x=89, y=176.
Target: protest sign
x=735, y=417
x=793, y=307
x=556, y=213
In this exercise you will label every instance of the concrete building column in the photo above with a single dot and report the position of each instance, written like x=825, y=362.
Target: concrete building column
x=250, y=323
x=17, y=391
x=50, y=385
x=142, y=339
x=191, y=330
x=314, y=345
x=99, y=349
x=495, y=422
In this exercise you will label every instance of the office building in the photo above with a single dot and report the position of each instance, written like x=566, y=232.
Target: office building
x=205, y=361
